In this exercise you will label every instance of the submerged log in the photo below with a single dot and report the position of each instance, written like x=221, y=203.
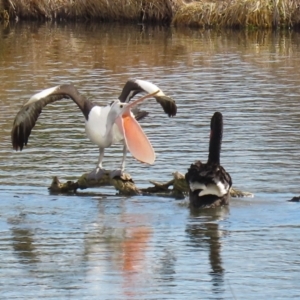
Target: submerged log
x=295, y=199
x=124, y=185
x=67, y=187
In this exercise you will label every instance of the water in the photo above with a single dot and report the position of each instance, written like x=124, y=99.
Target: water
x=99, y=244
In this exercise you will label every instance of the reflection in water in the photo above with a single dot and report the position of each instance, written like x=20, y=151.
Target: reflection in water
x=167, y=264
x=23, y=244
x=203, y=230
x=138, y=248
x=123, y=241
x=132, y=252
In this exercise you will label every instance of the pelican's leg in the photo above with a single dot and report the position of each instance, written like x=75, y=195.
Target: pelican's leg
x=97, y=173
x=124, y=157
x=101, y=155
x=115, y=173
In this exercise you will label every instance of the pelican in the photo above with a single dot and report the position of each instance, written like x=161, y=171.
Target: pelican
x=209, y=183
x=104, y=126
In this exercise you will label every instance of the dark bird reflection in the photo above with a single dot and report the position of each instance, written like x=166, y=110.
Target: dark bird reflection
x=204, y=232
x=23, y=244
x=166, y=264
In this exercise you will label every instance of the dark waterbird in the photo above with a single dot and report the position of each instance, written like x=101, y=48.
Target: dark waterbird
x=104, y=126
x=209, y=183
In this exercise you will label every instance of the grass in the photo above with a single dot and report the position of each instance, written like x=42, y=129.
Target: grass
x=240, y=13
x=200, y=13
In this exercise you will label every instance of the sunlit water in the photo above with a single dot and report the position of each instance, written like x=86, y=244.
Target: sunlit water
x=98, y=245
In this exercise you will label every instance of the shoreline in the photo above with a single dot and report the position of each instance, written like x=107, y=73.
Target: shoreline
x=251, y=14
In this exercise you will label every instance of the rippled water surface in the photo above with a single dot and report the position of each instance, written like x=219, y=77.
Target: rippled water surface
x=99, y=245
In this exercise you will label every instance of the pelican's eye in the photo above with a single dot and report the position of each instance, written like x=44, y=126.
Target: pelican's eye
x=121, y=106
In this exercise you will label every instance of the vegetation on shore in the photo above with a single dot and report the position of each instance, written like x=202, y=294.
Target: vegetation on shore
x=199, y=13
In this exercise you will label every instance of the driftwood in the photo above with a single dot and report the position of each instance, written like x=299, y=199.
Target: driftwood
x=176, y=187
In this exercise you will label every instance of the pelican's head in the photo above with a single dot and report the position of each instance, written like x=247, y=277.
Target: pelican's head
x=117, y=109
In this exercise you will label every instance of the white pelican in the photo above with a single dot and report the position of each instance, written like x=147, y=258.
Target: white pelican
x=209, y=183
x=104, y=126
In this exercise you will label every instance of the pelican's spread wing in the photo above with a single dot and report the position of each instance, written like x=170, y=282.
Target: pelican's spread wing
x=135, y=138
x=29, y=113
x=25, y=121
x=135, y=86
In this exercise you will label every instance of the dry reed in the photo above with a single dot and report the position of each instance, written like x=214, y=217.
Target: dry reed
x=114, y=10
x=239, y=13
x=200, y=13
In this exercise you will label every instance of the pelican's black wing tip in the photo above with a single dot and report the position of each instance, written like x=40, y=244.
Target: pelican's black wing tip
x=17, y=139
x=168, y=104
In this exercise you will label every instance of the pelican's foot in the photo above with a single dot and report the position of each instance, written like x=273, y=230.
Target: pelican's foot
x=116, y=173
x=96, y=174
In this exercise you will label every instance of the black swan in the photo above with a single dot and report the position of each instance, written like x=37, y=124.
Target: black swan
x=209, y=183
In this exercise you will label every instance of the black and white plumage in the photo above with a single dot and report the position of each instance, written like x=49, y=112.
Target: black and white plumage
x=209, y=183
x=104, y=126
x=135, y=86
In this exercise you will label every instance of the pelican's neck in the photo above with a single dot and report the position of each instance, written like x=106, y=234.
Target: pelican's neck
x=216, y=133
x=108, y=135
x=111, y=118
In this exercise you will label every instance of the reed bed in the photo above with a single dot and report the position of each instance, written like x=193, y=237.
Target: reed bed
x=239, y=13
x=199, y=13
x=113, y=10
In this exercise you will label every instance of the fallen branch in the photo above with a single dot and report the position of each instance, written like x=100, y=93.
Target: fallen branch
x=176, y=187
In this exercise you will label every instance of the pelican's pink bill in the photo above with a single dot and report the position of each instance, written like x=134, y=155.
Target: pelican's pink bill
x=136, y=140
